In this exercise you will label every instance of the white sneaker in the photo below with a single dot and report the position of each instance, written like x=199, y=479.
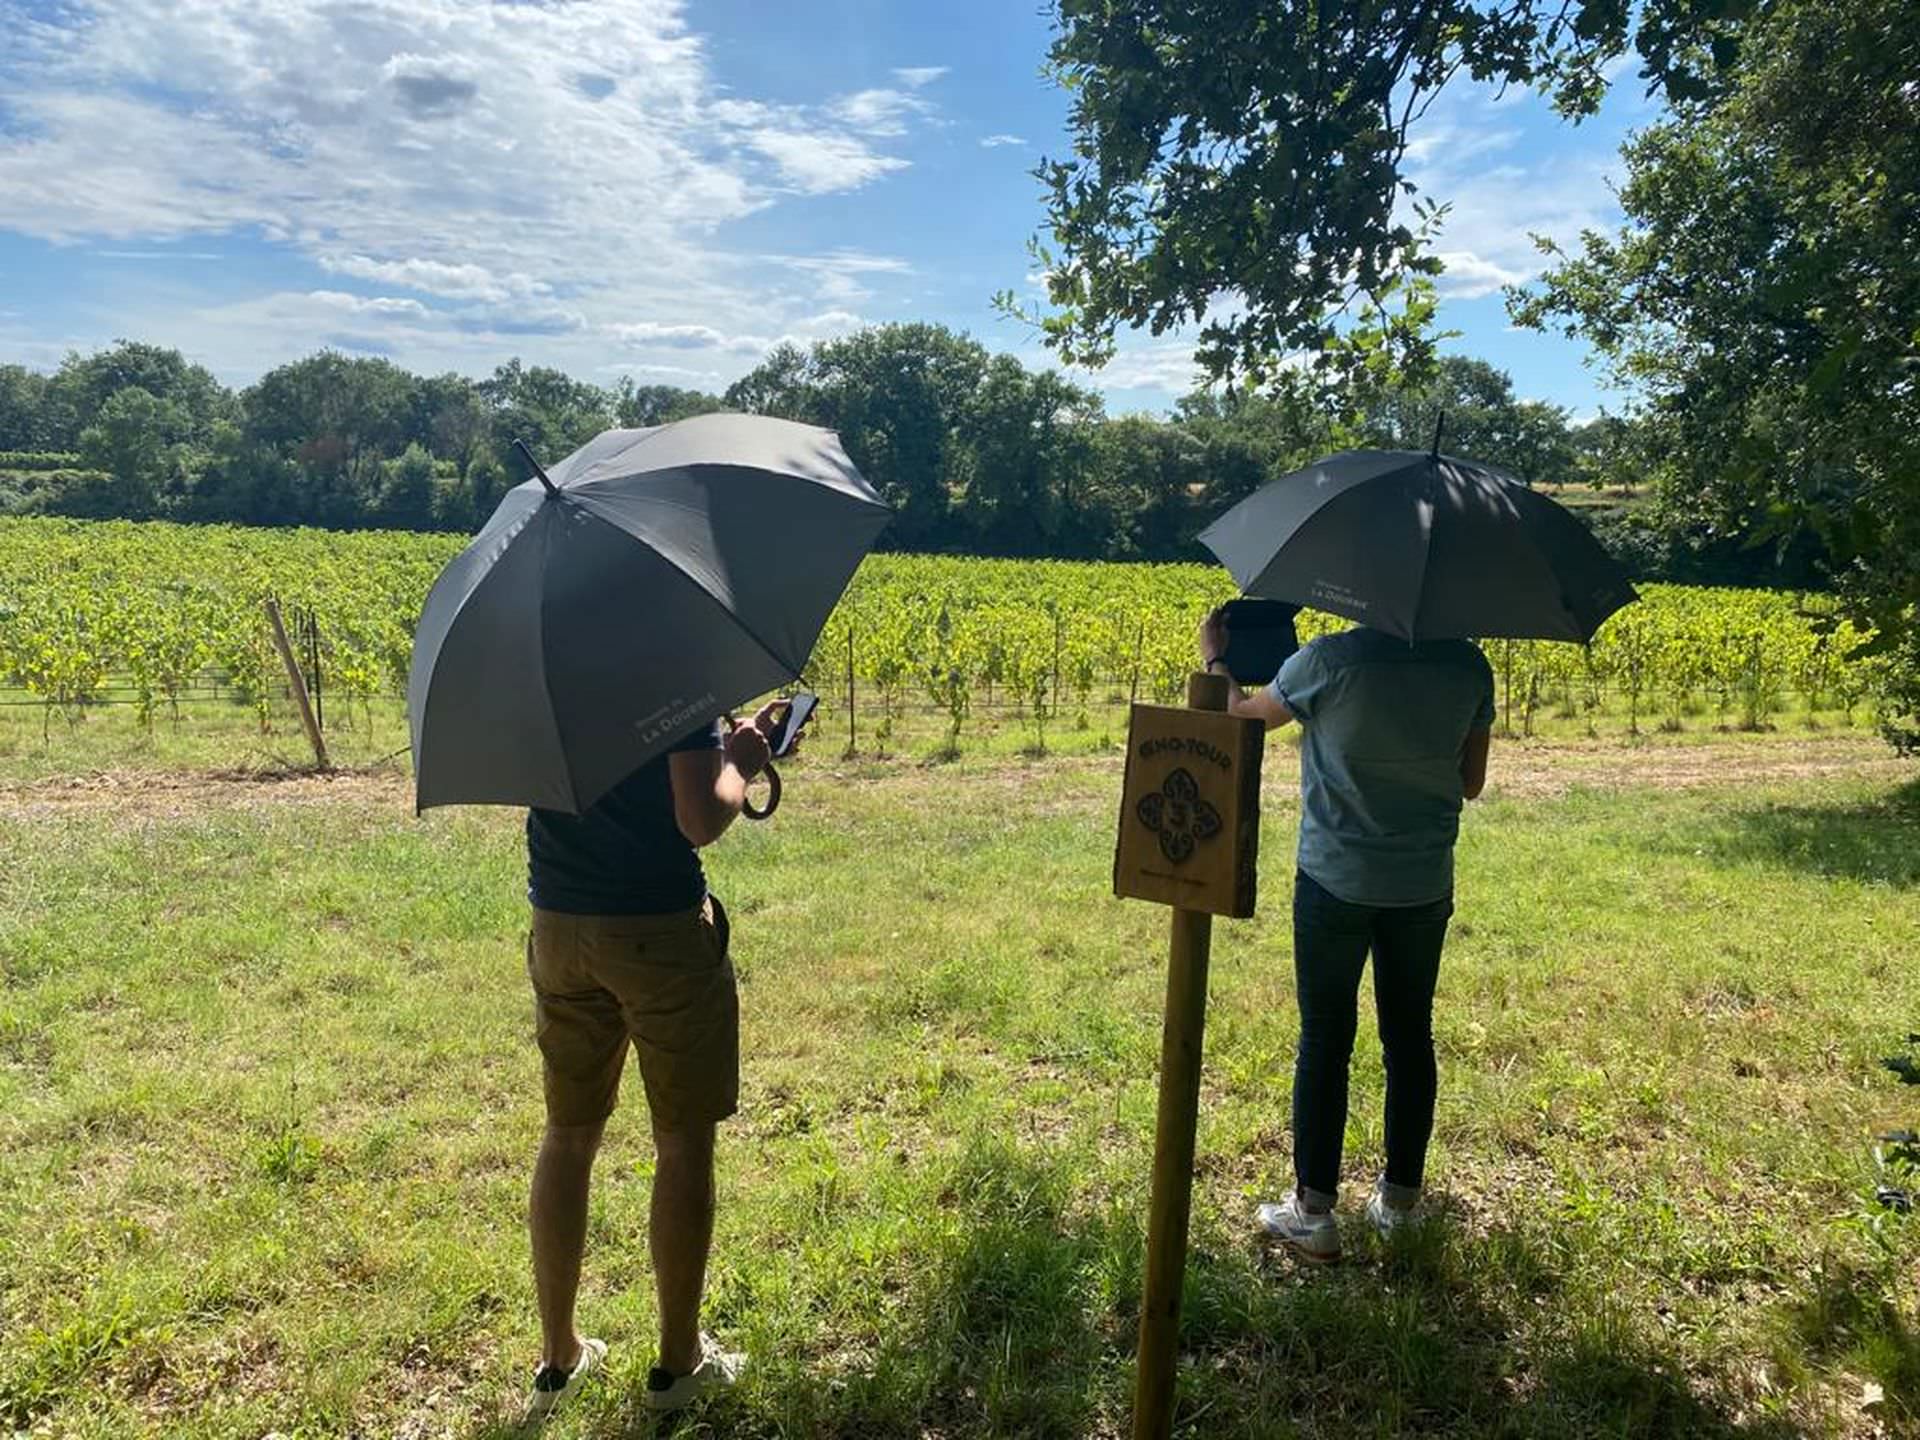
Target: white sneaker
x=718, y=1370
x=551, y=1384
x=1313, y=1235
x=1390, y=1220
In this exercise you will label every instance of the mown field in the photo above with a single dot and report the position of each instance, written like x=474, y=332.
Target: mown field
x=268, y=1099
x=268, y=1096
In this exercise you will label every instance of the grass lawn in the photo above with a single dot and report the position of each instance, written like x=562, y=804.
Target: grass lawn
x=268, y=1099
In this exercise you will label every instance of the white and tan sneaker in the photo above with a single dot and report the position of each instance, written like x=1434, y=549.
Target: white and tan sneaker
x=718, y=1370
x=553, y=1383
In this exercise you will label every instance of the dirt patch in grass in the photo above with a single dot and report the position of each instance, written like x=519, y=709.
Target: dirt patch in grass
x=1057, y=785
x=159, y=795
x=1531, y=769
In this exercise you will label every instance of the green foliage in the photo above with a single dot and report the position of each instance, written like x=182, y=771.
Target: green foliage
x=158, y=605
x=24, y=416
x=1763, y=301
x=1255, y=152
x=337, y=418
x=136, y=440
x=978, y=453
x=554, y=413
x=36, y=460
x=74, y=396
x=407, y=490
x=1471, y=407
x=637, y=406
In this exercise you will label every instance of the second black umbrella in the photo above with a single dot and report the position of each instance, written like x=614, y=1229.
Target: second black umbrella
x=1422, y=546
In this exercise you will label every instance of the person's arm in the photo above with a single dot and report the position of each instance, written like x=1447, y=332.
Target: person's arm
x=1473, y=762
x=1263, y=705
x=1473, y=754
x=710, y=786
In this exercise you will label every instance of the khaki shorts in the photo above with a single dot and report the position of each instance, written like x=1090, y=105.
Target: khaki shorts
x=664, y=984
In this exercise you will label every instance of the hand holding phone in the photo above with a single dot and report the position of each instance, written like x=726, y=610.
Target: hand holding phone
x=1259, y=636
x=800, y=709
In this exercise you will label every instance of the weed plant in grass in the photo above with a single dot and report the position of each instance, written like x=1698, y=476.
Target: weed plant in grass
x=268, y=1100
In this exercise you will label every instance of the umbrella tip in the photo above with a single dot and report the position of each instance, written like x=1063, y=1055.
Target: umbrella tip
x=526, y=454
x=1439, y=424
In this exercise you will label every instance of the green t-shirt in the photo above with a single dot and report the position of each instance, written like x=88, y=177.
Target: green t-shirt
x=1384, y=723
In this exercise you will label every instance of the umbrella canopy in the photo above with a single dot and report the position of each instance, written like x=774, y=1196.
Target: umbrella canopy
x=1421, y=546
x=649, y=581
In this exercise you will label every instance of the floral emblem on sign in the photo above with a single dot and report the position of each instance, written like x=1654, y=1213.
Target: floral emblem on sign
x=1178, y=814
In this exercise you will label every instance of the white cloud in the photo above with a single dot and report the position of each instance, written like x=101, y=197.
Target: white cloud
x=676, y=373
x=1467, y=152
x=993, y=142
x=436, y=277
x=686, y=337
x=1469, y=276
x=1166, y=365
x=1448, y=143
x=822, y=162
x=836, y=274
x=430, y=88
x=159, y=254
x=535, y=169
x=367, y=304
x=878, y=112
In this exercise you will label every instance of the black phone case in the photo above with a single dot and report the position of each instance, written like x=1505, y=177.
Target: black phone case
x=1260, y=637
x=785, y=740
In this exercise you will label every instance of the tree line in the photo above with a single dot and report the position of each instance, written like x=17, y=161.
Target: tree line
x=976, y=452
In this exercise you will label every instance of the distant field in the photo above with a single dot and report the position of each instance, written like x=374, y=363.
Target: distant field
x=1587, y=497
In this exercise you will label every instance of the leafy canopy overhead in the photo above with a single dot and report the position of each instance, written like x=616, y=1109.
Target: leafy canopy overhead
x=1237, y=164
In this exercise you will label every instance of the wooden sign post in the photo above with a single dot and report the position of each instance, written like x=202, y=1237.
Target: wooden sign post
x=1189, y=837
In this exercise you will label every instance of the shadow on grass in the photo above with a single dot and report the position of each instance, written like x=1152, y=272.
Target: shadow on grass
x=1877, y=841
x=1023, y=1325
x=1846, y=1317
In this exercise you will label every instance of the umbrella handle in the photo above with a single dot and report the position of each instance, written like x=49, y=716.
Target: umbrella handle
x=773, y=797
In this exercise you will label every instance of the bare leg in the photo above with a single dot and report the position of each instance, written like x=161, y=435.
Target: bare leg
x=557, y=1223
x=681, y=1234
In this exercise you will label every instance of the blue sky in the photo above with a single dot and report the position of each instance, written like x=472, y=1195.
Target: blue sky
x=613, y=186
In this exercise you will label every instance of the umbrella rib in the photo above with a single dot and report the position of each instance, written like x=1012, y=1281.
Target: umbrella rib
x=546, y=685
x=651, y=432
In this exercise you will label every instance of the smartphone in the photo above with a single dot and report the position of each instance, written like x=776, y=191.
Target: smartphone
x=799, y=711
x=1260, y=637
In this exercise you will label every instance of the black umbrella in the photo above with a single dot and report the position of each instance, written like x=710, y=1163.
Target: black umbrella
x=646, y=583
x=1421, y=545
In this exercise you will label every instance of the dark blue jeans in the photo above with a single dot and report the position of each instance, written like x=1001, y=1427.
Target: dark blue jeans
x=1331, y=939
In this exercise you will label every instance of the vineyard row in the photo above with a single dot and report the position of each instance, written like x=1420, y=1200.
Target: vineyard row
x=146, y=612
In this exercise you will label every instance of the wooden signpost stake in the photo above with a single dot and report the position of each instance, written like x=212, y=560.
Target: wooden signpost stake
x=296, y=684
x=1189, y=837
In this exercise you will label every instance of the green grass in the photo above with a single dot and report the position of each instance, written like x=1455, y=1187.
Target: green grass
x=268, y=1099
